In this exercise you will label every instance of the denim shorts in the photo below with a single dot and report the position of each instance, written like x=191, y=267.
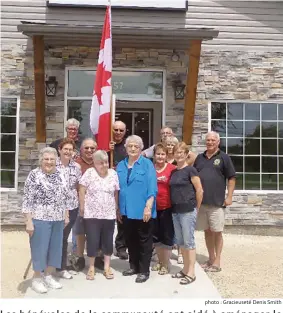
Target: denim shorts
x=184, y=226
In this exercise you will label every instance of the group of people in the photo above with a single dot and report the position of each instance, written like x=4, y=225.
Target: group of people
x=158, y=197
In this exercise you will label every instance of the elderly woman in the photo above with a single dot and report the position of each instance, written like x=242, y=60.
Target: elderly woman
x=170, y=143
x=45, y=210
x=72, y=173
x=98, y=196
x=186, y=197
x=138, y=189
x=164, y=229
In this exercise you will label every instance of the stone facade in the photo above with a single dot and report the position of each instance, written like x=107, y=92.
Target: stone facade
x=223, y=75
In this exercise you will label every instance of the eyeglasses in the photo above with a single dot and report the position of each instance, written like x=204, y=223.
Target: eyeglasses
x=133, y=146
x=117, y=130
x=87, y=148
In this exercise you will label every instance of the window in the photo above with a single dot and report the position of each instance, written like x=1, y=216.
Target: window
x=129, y=85
x=9, y=141
x=252, y=134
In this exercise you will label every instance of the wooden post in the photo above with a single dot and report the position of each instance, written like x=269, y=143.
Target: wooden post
x=39, y=88
x=191, y=91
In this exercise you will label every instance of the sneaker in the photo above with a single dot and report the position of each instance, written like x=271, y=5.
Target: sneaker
x=65, y=274
x=122, y=255
x=52, y=283
x=38, y=286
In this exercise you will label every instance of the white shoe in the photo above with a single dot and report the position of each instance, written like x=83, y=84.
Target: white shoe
x=65, y=274
x=38, y=286
x=52, y=283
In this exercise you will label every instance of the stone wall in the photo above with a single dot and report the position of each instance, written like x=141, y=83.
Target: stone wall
x=223, y=75
x=17, y=79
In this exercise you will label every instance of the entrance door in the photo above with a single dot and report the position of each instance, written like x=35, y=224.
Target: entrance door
x=141, y=118
x=138, y=122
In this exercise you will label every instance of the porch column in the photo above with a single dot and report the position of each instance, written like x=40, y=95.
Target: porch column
x=39, y=88
x=191, y=90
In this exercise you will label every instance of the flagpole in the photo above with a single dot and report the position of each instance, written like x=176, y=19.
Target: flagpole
x=111, y=132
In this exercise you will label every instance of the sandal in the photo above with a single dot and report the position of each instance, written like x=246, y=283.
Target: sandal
x=180, y=259
x=156, y=267
x=163, y=271
x=178, y=275
x=108, y=273
x=186, y=280
x=206, y=264
x=213, y=269
x=90, y=274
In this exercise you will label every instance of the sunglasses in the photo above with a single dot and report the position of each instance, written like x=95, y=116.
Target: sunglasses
x=117, y=130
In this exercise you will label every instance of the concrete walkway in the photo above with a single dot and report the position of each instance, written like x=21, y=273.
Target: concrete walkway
x=125, y=287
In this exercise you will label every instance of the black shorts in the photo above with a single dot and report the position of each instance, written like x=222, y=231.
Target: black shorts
x=99, y=236
x=164, y=228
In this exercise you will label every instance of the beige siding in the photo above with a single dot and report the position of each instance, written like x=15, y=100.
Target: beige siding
x=247, y=25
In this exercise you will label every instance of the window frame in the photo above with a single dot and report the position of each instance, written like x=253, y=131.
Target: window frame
x=118, y=97
x=15, y=188
x=277, y=101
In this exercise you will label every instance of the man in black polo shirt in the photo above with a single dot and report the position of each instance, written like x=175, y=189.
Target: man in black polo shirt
x=216, y=170
x=118, y=145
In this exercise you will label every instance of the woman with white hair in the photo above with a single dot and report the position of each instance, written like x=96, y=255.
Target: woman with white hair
x=98, y=197
x=138, y=189
x=45, y=209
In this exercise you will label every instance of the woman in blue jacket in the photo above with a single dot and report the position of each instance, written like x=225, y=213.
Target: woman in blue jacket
x=138, y=189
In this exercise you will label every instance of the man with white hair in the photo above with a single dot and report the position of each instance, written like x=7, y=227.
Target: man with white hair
x=119, y=154
x=72, y=129
x=216, y=171
x=164, y=133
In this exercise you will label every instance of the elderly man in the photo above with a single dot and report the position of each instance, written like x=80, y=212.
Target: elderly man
x=72, y=129
x=215, y=169
x=118, y=146
x=85, y=161
x=164, y=133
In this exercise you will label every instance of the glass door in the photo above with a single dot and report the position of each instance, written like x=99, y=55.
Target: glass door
x=138, y=122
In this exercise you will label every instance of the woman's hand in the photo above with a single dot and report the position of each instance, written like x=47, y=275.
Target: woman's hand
x=146, y=214
x=29, y=227
x=67, y=220
x=118, y=216
x=81, y=212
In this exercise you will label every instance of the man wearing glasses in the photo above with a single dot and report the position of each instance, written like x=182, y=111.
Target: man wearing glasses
x=119, y=154
x=164, y=133
x=85, y=161
x=72, y=129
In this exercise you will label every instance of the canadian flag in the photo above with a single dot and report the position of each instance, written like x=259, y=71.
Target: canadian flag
x=100, y=116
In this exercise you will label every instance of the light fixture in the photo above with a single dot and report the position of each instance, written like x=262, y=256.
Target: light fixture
x=175, y=56
x=51, y=86
x=179, y=90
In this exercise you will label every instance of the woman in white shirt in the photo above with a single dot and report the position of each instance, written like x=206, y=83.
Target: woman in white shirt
x=98, y=196
x=45, y=209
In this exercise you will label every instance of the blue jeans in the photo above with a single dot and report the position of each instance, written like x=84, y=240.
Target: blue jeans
x=184, y=226
x=46, y=244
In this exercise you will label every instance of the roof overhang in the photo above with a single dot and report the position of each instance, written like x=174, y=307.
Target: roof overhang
x=131, y=37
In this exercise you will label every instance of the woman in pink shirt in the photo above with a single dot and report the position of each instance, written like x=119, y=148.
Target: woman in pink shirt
x=98, y=196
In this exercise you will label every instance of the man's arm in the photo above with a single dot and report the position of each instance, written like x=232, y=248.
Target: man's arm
x=231, y=188
x=148, y=152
